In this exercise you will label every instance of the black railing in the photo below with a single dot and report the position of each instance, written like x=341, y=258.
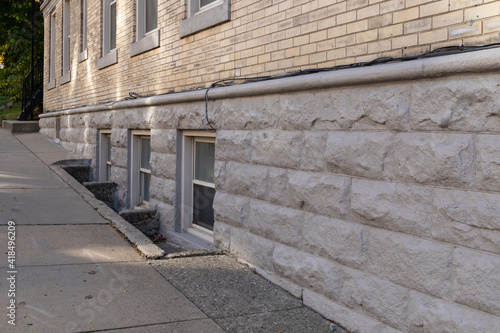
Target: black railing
x=32, y=91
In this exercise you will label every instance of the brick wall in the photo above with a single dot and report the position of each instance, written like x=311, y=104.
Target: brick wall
x=263, y=37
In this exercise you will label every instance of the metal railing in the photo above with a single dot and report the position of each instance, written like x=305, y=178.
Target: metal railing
x=32, y=91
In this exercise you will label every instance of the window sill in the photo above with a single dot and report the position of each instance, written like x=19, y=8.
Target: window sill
x=65, y=78
x=51, y=85
x=205, y=19
x=109, y=59
x=149, y=42
x=83, y=55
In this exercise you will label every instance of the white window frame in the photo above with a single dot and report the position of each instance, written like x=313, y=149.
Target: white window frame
x=189, y=139
x=104, y=162
x=144, y=40
x=83, y=55
x=66, y=43
x=52, y=53
x=198, y=19
x=109, y=55
x=135, y=169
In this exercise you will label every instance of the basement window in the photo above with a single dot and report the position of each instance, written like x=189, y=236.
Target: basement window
x=105, y=155
x=140, y=169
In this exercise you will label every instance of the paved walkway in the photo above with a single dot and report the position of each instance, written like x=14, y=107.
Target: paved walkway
x=74, y=273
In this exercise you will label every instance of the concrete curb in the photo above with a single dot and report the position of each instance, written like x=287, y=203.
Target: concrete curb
x=143, y=243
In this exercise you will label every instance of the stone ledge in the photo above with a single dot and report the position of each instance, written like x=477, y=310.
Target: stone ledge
x=16, y=126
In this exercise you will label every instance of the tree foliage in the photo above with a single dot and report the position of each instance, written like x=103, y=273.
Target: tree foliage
x=15, y=43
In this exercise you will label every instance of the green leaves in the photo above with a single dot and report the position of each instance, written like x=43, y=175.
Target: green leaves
x=15, y=43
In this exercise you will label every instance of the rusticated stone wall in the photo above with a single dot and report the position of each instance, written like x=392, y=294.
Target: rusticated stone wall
x=378, y=204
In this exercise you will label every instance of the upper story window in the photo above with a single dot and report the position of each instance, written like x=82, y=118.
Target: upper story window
x=147, y=32
x=109, y=52
x=52, y=53
x=203, y=14
x=83, y=55
x=66, y=44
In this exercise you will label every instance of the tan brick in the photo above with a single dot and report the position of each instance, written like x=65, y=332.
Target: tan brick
x=417, y=26
x=411, y=3
x=326, y=45
x=357, y=26
x=465, y=30
x=354, y=4
x=309, y=48
x=448, y=19
x=372, y=10
x=318, y=36
x=404, y=41
x=345, y=41
x=482, y=40
x=337, y=31
x=379, y=46
x=326, y=23
x=491, y=25
x=436, y=7
x=357, y=50
x=456, y=42
x=480, y=12
x=416, y=50
x=391, y=6
x=335, y=54
x=390, y=31
x=337, y=8
x=317, y=57
x=405, y=15
x=366, y=36
x=380, y=21
x=433, y=36
x=300, y=61
x=346, y=17
x=301, y=40
x=458, y=4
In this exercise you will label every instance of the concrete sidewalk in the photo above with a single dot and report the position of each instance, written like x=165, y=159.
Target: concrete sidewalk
x=73, y=272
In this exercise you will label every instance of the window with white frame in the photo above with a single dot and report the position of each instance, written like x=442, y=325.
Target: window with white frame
x=198, y=180
x=66, y=44
x=83, y=55
x=109, y=52
x=147, y=32
x=52, y=53
x=140, y=169
x=204, y=14
x=105, y=155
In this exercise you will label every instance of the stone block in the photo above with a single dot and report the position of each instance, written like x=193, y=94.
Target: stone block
x=119, y=157
x=429, y=314
x=313, y=158
x=277, y=148
x=323, y=194
x=488, y=162
x=25, y=126
x=222, y=236
x=434, y=158
x=254, y=249
x=375, y=297
x=119, y=176
x=410, y=261
x=76, y=120
x=393, y=206
x=351, y=320
x=309, y=271
x=360, y=154
x=163, y=189
x=133, y=118
x=278, y=183
x=248, y=113
x=468, y=104
x=231, y=209
x=467, y=218
x=477, y=280
x=101, y=120
x=341, y=241
x=163, y=141
x=163, y=165
x=233, y=146
x=90, y=136
x=166, y=215
x=119, y=137
x=220, y=175
x=164, y=117
x=277, y=223
x=247, y=180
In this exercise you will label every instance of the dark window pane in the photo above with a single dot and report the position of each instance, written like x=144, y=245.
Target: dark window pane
x=112, y=37
x=205, y=2
x=145, y=152
x=108, y=172
x=205, y=161
x=151, y=15
x=145, y=181
x=203, y=211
